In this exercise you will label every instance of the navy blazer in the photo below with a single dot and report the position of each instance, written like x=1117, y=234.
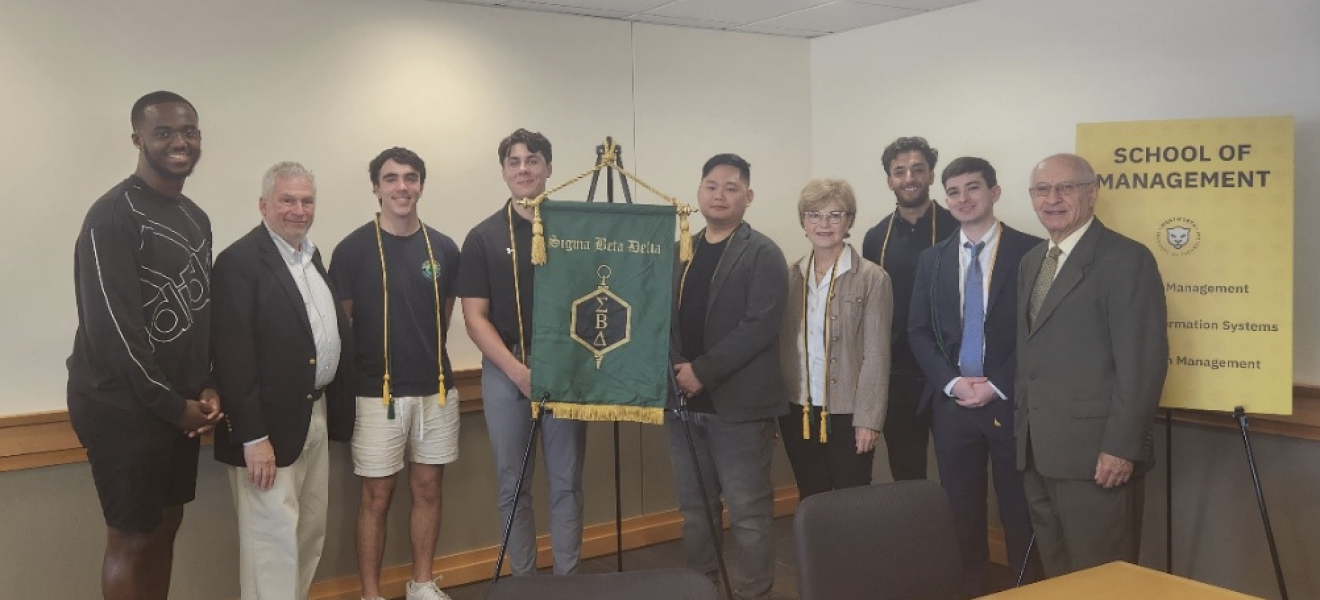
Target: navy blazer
x=264, y=354
x=935, y=315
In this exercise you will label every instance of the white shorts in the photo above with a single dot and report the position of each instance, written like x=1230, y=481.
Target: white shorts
x=427, y=430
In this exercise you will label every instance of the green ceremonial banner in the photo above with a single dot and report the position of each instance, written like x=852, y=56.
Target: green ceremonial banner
x=600, y=336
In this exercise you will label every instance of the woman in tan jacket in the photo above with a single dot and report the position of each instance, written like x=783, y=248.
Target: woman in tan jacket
x=834, y=348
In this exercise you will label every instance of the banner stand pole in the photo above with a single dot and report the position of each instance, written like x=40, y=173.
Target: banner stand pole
x=1168, y=491
x=517, y=488
x=682, y=413
x=1241, y=416
x=618, y=468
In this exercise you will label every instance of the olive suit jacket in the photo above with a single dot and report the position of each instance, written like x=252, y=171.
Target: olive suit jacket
x=1091, y=366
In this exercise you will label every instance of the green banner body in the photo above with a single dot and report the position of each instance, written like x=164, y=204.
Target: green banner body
x=600, y=335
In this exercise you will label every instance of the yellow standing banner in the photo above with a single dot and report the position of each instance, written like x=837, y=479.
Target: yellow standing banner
x=1213, y=200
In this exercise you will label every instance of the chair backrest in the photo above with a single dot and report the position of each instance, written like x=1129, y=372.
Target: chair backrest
x=657, y=584
x=888, y=541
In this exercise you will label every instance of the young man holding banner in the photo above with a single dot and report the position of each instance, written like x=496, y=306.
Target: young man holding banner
x=495, y=282
x=729, y=300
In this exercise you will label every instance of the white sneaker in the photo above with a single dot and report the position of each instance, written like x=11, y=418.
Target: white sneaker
x=426, y=591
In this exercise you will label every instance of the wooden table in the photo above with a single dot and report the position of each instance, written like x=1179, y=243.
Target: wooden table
x=1120, y=581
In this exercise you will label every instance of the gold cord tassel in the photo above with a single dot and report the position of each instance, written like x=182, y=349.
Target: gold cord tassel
x=538, y=237
x=806, y=420
x=385, y=396
x=441, y=397
x=824, y=425
x=684, y=236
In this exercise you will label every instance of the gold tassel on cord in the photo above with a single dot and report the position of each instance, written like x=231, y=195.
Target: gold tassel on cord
x=684, y=235
x=538, y=237
x=441, y=399
x=385, y=395
x=824, y=425
x=806, y=420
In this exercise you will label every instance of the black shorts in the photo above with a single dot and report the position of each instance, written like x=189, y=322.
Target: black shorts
x=140, y=463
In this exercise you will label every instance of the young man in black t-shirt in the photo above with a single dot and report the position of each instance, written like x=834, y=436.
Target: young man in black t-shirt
x=917, y=223
x=496, y=286
x=399, y=329
x=139, y=392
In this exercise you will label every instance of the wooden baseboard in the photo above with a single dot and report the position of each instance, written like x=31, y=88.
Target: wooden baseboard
x=477, y=565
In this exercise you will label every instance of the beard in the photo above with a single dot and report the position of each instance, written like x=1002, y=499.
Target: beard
x=160, y=164
x=920, y=200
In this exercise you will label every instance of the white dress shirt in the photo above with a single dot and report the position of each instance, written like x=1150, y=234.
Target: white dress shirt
x=320, y=307
x=817, y=313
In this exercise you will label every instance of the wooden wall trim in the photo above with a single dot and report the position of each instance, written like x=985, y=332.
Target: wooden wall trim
x=44, y=439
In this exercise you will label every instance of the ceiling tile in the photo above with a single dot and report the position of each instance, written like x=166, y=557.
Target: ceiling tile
x=628, y=6
x=571, y=10
x=802, y=33
x=838, y=16
x=733, y=11
x=680, y=22
x=915, y=4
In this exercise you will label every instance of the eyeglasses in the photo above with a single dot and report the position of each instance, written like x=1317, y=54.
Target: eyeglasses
x=1067, y=189
x=833, y=217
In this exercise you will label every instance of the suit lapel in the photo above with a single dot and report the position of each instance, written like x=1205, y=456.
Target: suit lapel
x=731, y=255
x=947, y=296
x=1002, y=268
x=1071, y=274
x=270, y=255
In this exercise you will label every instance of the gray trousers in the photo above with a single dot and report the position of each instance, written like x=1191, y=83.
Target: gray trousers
x=735, y=464
x=564, y=442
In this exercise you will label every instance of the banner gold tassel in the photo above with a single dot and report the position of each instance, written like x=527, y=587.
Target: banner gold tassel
x=684, y=235
x=538, y=236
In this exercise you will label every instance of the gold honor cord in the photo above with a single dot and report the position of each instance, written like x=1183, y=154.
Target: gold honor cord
x=806, y=350
x=610, y=159
x=386, y=397
x=517, y=287
x=934, y=214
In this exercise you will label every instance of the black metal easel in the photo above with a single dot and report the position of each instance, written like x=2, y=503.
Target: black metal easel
x=517, y=487
x=1241, y=416
x=618, y=468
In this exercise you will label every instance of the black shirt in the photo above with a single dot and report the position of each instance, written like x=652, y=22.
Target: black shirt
x=692, y=305
x=142, y=279
x=487, y=272
x=355, y=272
x=907, y=242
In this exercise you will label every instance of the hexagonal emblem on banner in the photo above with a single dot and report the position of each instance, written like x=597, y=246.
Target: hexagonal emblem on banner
x=601, y=320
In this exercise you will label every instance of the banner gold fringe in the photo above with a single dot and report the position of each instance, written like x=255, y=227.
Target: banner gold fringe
x=584, y=412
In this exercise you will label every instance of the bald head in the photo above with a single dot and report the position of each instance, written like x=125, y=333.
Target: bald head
x=1063, y=193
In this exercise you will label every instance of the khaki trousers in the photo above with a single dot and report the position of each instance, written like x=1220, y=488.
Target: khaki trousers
x=281, y=531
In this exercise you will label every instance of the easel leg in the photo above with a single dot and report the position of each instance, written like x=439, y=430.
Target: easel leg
x=1241, y=416
x=517, y=489
x=705, y=504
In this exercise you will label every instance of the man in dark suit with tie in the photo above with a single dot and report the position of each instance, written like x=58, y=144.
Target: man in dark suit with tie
x=1092, y=355
x=279, y=334
x=962, y=324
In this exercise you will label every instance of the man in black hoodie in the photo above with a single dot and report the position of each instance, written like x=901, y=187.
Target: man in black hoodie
x=139, y=393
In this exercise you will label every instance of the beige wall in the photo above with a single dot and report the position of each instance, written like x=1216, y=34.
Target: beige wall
x=332, y=82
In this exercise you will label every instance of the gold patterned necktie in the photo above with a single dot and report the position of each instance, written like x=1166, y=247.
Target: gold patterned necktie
x=1043, y=280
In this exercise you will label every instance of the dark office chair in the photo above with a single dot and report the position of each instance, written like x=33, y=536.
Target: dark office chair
x=658, y=584
x=888, y=541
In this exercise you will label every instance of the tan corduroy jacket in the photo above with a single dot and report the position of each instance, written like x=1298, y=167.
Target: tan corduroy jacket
x=858, y=365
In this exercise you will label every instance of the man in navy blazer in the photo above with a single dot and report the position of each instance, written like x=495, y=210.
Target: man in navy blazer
x=279, y=335
x=962, y=325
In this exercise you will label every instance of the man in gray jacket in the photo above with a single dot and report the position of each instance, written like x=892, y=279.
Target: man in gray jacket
x=729, y=300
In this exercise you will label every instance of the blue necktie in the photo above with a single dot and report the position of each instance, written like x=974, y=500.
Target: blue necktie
x=971, y=356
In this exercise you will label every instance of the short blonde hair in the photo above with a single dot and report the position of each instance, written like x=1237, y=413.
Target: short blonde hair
x=819, y=192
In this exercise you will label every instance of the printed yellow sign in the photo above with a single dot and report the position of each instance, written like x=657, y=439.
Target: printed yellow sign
x=1213, y=200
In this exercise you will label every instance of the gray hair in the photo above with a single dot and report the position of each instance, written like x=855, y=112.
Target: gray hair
x=285, y=170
